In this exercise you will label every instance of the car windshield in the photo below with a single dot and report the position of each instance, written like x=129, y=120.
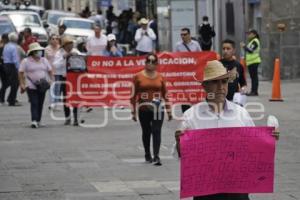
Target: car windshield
x=53, y=18
x=6, y=28
x=25, y=20
x=78, y=24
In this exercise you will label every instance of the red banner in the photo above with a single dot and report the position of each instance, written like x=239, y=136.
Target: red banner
x=109, y=79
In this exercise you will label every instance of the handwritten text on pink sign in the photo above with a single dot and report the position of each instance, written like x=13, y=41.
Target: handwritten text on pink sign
x=227, y=160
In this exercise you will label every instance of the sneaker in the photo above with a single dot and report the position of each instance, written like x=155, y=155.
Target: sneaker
x=252, y=94
x=40, y=124
x=34, y=124
x=156, y=161
x=15, y=104
x=148, y=159
x=67, y=122
x=75, y=123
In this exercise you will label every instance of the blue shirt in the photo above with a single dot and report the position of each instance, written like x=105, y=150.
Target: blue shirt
x=10, y=54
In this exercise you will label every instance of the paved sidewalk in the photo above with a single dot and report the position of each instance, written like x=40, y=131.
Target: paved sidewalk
x=58, y=162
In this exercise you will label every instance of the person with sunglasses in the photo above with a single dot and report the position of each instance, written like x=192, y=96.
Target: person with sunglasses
x=187, y=44
x=149, y=90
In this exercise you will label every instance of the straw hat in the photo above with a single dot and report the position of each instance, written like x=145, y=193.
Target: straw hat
x=111, y=37
x=34, y=47
x=66, y=40
x=144, y=21
x=214, y=70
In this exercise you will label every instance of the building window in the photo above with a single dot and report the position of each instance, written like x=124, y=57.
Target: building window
x=230, y=29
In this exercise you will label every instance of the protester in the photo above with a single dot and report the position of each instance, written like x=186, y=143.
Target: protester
x=11, y=62
x=144, y=37
x=253, y=59
x=4, y=80
x=28, y=39
x=112, y=49
x=206, y=33
x=148, y=93
x=50, y=52
x=186, y=45
x=215, y=112
x=34, y=69
x=98, y=18
x=238, y=84
x=60, y=63
x=61, y=30
x=96, y=44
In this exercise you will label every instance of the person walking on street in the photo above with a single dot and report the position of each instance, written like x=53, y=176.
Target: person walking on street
x=50, y=52
x=186, y=45
x=253, y=59
x=238, y=83
x=60, y=63
x=28, y=39
x=216, y=112
x=148, y=93
x=11, y=62
x=4, y=81
x=144, y=37
x=35, y=71
x=112, y=49
x=96, y=44
x=206, y=33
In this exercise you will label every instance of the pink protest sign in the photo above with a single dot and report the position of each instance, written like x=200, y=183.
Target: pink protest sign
x=227, y=160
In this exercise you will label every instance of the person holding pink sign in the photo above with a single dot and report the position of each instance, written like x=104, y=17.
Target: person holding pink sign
x=215, y=112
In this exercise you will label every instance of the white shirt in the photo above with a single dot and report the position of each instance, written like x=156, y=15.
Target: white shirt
x=60, y=63
x=96, y=46
x=192, y=45
x=200, y=116
x=144, y=42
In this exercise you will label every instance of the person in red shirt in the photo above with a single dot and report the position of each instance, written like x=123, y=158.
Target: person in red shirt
x=28, y=39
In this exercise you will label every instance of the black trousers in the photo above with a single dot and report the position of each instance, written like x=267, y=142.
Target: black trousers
x=254, y=77
x=36, y=104
x=224, y=197
x=10, y=79
x=151, y=123
x=185, y=107
x=67, y=109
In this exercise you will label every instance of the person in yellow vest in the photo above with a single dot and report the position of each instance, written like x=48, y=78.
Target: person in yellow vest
x=253, y=59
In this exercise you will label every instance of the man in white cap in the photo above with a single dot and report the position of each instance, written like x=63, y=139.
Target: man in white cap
x=96, y=44
x=215, y=112
x=144, y=37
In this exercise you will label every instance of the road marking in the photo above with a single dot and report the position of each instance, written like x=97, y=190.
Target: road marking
x=130, y=186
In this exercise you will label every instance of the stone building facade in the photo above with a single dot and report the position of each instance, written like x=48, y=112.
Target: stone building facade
x=281, y=44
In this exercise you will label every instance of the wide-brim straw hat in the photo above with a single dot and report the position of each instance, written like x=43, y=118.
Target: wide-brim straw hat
x=214, y=70
x=66, y=40
x=34, y=47
x=144, y=21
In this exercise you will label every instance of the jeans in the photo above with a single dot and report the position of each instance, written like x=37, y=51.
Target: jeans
x=36, y=104
x=224, y=197
x=151, y=123
x=254, y=77
x=10, y=72
x=55, y=94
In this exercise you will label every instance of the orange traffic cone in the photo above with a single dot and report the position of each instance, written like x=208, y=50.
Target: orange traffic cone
x=243, y=63
x=276, y=90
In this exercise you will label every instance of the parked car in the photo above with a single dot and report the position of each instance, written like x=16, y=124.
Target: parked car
x=24, y=19
x=6, y=26
x=51, y=17
x=78, y=27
